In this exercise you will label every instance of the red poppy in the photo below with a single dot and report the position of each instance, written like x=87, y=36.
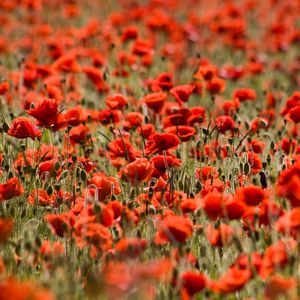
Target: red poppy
x=255, y=162
x=41, y=197
x=289, y=222
x=233, y=280
x=275, y=257
x=162, y=82
x=4, y=87
x=225, y=123
x=294, y=114
x=133, y=119
x=288, y=184
x=250, y=195
x=79, y=134
x=122, y=148
x=215, y=85
x=146, y=130
x=185, y=133
x=163, y=162
x=182, y=92
x=6, y=227
x=174, y=229
x=155, y=101
x=74, y=116
x=46, y=112
x=288, y=145
x=137, y=171
x=108, y=116
x=214, y=204
x=66, y=63
x=278, y=287
x=60, y=224
x=221, y=236
x=96, y=234
x=106, y=186
x=207, y=72
x=129, y=33
x=116, y=101
x=191, y=283
x=244, y=94
x=11, y=289
x=130, y=247
x=49, y=249
x=161, y=142
x=23, y=128
x=10, y=189
x=197, y=116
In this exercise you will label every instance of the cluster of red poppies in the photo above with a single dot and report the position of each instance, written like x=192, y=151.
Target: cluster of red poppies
x=149, y=149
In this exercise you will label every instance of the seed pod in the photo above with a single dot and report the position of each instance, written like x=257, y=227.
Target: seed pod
x=50, y=190
x=63, y=175
x=5, y=127
x=83, y=175
x=247, y=168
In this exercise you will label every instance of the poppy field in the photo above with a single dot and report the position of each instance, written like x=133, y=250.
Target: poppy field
x=149, y=149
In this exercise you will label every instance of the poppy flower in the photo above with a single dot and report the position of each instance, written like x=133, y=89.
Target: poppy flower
x=60, y=224
x=6, y=227
x=294, y=114
x=41, y=197
x=278, y=287
x=79, y=134
x=117, y=101
x=244, y=94
x=96, y=76
x=10, y=189
x=221, y=236
x=288, y=145
x=4, y=87
x=133, y=119
x=233, y=280
x=23, y=128
x=213, y=204
x=96, y=234
x=161, y=142
x=255, y=162
x=225, y=123
x=289, y=222
x=106, y=186
x=129, y=33
x=137, y=171
x=185, y=133
x=66, y=63
x=108, y=116
x=182, y=92
x=155, y=101
x=11, y=289
x=215, y=85
x=146, y=130
x=162, y=82
x=250, y=195
x=207, y=72
x=275, y=257
x=163, y=162
x=174, y=229
x=291, y=102
x=75, y=115
x=191, y=283
x=51, y=249
x=130, y=247
x=197, y=116
x=122, y=148
x=46, y=112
